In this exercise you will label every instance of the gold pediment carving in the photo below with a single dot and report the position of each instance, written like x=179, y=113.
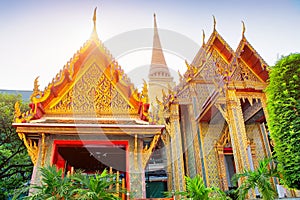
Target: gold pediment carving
x=93, y=94
x=244, y=73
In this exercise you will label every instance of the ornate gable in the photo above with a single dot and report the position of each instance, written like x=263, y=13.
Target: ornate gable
x=93, y=93
x=243, y=73
x=250, y=58
x=91, y=84
x=250, y=70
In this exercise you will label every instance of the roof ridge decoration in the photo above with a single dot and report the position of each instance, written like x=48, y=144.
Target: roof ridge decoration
x=203, y=38
x=243, y=30
x=215, y=22
x=95, y=18
x=215, y=41
x=64, y=80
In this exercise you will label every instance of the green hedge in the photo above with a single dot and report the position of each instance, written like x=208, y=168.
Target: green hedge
x=283, y=95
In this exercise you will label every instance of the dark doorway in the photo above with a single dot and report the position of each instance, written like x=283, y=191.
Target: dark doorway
x=92, y=159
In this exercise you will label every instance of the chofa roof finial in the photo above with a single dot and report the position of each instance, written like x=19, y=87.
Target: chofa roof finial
x=244, y=29
x=214, y=22
x=203, y=37
x=94, y=18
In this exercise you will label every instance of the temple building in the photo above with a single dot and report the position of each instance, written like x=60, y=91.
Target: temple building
x=216, y=117
x=91, y=117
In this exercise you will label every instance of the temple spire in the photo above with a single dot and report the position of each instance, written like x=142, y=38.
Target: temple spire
x=158, y=68
x=159, y=74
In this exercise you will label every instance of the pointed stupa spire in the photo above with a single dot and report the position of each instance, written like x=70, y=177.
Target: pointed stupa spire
x=158, y=68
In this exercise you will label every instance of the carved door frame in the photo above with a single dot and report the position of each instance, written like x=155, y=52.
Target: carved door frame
x=220, y=154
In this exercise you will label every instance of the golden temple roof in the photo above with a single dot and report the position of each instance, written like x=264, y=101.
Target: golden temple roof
x=91, y=82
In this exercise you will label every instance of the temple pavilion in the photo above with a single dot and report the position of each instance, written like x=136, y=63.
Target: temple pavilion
x=213, y=123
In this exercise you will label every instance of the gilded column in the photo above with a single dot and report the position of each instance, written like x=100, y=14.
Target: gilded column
x=177, y=147
x=136, y=171
x=263, y=129
x=195, y=140
x=264, y=105
x=237, y=131
x=193, y=110
x=166, y=140
x=202, y=153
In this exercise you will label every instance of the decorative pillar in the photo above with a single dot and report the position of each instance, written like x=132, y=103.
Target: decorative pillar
x=193, y=110
x=194, y=135
x=237, y=132
x=136, y=170
x=202, y=157
x=166, y=140
x=264, y=105
x=264, y=132
x=176, y=145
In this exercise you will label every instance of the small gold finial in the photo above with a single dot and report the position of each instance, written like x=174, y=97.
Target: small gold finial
x=94, y=18
x=214, y=22
x=244, y=29
x=203, y=37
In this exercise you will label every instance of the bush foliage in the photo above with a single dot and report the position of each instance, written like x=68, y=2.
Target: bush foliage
x=56, y=186
x=283, y=95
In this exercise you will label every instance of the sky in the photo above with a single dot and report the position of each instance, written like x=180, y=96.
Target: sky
x=38, y=37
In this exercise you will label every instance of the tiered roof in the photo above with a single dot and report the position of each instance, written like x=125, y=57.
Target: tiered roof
x=216, y=67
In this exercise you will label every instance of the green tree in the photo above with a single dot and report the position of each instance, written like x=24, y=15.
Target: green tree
x=15, y=164
x=283, y=94
x=260, y=178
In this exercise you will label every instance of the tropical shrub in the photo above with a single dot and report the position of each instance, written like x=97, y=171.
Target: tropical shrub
x=260, y=178
x=56, y=186
x=95, y=187
x=196, y=190
x=283, y=106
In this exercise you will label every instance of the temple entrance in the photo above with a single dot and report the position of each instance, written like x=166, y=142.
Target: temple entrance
x=92, y=157
x=226, y=164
